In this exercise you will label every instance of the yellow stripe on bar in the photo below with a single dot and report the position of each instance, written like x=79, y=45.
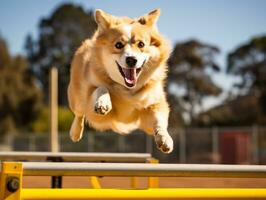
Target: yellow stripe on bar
x=154, y=194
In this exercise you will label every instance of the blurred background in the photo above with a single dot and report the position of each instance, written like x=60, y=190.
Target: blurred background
x=216, y=81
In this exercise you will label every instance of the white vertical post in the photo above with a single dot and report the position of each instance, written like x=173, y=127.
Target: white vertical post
x=54, y=146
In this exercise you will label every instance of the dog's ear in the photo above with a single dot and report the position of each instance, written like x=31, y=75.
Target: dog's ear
x=103, y=19
x=151, y=18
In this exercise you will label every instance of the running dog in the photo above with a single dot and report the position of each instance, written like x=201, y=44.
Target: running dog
x=118, y=76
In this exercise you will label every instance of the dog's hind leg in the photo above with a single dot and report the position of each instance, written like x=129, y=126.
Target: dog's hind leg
x=77, y=104
x=155, y=121
x=77, y=128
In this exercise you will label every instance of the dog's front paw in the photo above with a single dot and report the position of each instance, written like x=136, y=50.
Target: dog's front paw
x=164, y=141
x=103, y=106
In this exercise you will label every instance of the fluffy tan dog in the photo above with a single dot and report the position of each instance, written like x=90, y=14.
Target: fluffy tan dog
x=117, y=79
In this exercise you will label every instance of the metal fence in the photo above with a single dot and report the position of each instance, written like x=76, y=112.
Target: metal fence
x=234, y=145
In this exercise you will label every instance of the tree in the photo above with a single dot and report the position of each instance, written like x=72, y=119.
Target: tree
x=189, y=75
x=248, y=62
x=59, y=36
x=19, y=96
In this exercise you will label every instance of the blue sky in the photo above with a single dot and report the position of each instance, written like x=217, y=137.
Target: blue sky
x=225, y=23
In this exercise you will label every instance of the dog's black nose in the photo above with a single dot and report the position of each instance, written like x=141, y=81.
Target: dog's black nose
x=131, y=61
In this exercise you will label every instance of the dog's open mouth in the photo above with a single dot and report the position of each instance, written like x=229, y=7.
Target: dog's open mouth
x=130, y=75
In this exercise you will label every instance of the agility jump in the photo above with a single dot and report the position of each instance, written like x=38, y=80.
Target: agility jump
x=12, y=173
x=56, y=181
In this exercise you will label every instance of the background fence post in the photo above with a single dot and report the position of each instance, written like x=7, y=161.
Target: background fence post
x=182, y=146
x=32, y=142
x=255, y=145
x=90, y=137
x=121, y=143
x=149, y=144
x=215, y=142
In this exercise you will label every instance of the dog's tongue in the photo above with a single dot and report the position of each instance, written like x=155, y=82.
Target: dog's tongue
x=130, y=75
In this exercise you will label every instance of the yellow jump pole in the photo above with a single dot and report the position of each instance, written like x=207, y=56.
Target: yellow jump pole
x=151, y=194
x=10, y=181
x=153, y=181
x=134, y=182
x=95, y=182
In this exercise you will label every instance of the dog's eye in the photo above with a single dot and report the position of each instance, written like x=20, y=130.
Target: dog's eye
x=119, y=45
x=141, y=44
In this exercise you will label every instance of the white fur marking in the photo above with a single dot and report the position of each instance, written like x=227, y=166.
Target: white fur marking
x=141, y=57
x=112, y=69
x=100, y=92
x=102, y=100
x=127, y=29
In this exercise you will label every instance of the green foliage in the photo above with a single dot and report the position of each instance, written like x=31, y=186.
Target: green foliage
x=42, y=123
x=20, y=99
x=59, y=36
x=189, y=75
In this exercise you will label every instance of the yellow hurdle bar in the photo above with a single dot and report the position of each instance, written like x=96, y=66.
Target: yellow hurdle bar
x=11, y=182
x=151, y=194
